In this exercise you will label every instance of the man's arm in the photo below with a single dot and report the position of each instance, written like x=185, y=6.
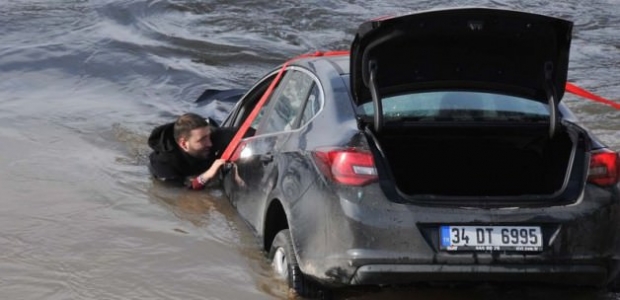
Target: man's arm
x=201, y=180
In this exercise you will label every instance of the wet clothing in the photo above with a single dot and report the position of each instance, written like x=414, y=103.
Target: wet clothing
x=169, y=163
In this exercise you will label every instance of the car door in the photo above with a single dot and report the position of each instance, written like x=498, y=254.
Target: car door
x=258, y=156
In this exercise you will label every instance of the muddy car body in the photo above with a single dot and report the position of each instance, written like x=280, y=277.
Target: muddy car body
x=437, y=150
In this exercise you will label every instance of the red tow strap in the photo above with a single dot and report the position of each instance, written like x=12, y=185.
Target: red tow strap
x=246, y=124
x=234, y=143
x=573, y=89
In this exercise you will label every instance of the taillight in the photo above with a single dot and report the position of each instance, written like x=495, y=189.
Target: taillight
x=604, y=168
x=348, y=166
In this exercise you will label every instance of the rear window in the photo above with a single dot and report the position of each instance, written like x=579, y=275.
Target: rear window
x=459, y=106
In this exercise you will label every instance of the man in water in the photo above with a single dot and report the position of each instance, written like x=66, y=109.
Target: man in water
x=187, y=151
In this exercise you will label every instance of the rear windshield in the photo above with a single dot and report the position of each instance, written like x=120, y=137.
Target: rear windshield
x=459, y=106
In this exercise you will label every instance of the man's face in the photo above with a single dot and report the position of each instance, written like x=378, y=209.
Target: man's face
x=199, y=142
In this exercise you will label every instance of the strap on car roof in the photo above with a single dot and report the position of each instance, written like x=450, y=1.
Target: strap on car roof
x=570, y=87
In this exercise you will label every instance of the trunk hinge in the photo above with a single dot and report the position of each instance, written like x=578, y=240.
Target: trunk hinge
x=552, y=96
x=374, y=93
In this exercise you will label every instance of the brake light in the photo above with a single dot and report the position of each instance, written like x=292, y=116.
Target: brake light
x=348, y=166
x=604, y=168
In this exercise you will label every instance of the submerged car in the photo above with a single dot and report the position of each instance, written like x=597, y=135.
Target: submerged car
x=436, y=150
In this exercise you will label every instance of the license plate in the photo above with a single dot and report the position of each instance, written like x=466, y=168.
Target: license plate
x=491, y=238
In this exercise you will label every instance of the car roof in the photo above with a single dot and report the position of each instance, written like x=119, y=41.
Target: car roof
x=340, y=63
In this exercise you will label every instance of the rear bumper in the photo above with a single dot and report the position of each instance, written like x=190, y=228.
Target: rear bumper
x=370, y=240
x=587, y=275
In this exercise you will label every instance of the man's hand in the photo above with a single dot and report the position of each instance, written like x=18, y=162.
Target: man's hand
x=212, y=171
x=238, y=178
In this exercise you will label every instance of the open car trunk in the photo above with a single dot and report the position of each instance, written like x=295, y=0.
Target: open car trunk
x=497, y=161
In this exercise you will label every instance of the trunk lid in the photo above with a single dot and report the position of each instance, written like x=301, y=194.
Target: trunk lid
x=508, y=52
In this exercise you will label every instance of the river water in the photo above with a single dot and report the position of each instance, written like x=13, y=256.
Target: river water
x=82, y=83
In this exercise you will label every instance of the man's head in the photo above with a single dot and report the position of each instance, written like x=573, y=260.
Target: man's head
x=193, y=134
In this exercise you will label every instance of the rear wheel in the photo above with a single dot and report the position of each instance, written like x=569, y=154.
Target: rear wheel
x=284, y=264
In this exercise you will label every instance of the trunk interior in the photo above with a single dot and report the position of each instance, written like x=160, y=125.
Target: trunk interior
x=477, y=161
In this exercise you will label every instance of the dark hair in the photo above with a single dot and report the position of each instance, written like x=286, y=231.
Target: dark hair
x=186, y=123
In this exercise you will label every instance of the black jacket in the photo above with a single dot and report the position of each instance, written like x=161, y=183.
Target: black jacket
x=168, y=162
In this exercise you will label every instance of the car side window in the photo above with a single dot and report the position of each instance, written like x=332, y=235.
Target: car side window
x=313, y=105
x=288, y=102
x=250, y=101
x=261, y=113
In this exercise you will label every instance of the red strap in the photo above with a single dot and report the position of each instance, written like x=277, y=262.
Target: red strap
x=571, y=88
x=246, y=124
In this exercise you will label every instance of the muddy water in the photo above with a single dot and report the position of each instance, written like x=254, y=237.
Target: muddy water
x=83, y=82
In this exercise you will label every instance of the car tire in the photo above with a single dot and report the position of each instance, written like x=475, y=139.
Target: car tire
x=284, y=264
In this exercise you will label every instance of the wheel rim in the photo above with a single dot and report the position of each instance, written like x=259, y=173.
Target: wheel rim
x=280, y=263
